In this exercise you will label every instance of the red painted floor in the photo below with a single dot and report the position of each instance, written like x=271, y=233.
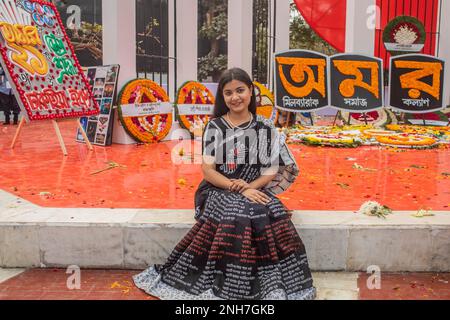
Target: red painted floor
x=407, y=286
x=51, y=284
x=37, y=171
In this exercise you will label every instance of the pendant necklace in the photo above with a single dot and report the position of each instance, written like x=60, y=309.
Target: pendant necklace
x=231, y=122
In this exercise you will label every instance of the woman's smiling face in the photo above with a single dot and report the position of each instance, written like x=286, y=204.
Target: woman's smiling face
x=237, y=96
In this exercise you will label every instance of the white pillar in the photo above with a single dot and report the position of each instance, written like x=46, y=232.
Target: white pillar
x=172, y=53
x=119, y=47
x=183, y=34
x=279, y=26
x=282, y=15
x=279, y=29
x=360, y=26
x=119, y=37
x=240, y=34
x=187, y=40
x=444, y=48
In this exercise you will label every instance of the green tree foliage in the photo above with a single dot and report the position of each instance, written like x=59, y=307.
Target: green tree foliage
x=214, y=29
x=147, y=35
x=86, y=38
x=261, y=40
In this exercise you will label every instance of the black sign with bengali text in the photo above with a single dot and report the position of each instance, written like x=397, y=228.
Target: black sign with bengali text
x=416, y=83
x=356, y=82
x=301, y=80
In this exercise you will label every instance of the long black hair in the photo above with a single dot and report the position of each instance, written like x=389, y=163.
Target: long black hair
x=220, y=107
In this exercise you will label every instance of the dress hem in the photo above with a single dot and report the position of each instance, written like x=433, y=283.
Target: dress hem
x=150, y=282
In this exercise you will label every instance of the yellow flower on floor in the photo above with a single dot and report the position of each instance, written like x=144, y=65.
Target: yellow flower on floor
x=125, y=288
x=422, y=213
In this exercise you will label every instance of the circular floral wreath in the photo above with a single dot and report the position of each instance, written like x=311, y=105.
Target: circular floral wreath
x=147, y=129
x=193, y=92
x=373, y=133
x=405, y=140
x=441, y=134
x=377, y=118
x=297, y=133
x=415, y=129
x=265, y=102
x=404, y=30
x=332, y=140
x=430, y=117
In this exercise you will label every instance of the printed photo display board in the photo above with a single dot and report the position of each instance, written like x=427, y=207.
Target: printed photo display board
x=40, y=63
x=103, y=81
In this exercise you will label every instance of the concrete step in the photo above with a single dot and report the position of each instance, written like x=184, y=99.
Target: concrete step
x=6, y=274
x=32, y=236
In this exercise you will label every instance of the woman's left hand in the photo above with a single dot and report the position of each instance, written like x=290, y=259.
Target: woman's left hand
x=239, y=185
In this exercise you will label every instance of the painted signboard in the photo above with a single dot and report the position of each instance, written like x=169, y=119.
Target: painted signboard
x=40, y=63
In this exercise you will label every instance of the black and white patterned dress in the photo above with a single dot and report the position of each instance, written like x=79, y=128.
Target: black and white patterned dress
x=238, y=249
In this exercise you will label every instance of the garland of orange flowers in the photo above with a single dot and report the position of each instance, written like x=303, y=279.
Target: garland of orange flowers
x=353, y=68
x=300, y=67
x=147, y=129
x=411, y=81
x=193, y=92
x=372, y=133
x=265, y=102
x=407, y=140
x=419, y=129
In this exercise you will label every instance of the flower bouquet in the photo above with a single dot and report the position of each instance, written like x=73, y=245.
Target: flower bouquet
x=373, y=208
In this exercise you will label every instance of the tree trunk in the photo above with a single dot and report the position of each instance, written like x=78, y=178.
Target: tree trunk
x=215, y=46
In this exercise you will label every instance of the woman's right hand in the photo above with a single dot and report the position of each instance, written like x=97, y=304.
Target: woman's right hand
x=238, y=185
x=257, y=196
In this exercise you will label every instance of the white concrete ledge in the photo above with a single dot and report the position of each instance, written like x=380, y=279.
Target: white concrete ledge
x=32, y=236
x=6, y=274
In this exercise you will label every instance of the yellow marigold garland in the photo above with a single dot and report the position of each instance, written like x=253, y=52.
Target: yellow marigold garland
x=147, y=129
x=419, y=129
x=301, y=71
x=410, y=80
x=407, y=140
x=372, y=133
x=353, y=68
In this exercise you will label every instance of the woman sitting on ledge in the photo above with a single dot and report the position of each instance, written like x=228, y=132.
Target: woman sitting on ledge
x=243, y=245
